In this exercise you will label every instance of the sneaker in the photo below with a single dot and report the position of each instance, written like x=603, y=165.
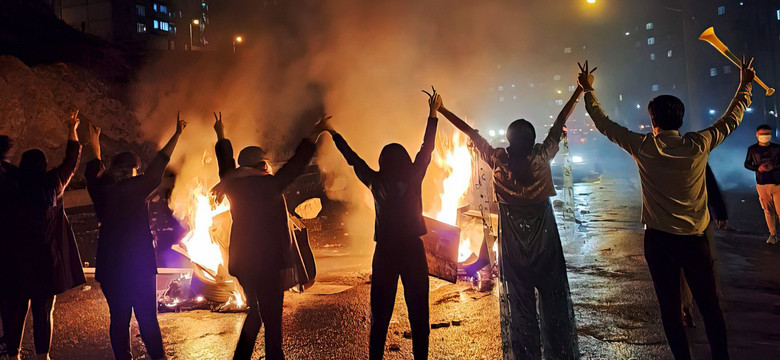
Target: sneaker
x=772, y=240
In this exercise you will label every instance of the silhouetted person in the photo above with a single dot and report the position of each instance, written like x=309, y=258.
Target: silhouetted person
x=674, y=205
x=260, y=238
x=719, y=214
x=9, y=191
x=530, y=255
x=399, y=252
x=764, y=158
x=44, y=259
x=126, y=266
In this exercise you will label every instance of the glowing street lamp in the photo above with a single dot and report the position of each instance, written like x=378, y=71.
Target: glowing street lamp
x=591, y=1
x=193, y=22
x=238, y=39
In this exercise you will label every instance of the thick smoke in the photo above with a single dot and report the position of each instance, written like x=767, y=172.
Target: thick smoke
x=363, y=62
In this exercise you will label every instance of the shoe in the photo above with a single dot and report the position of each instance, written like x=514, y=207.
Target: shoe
x=772, y=239
x=687, y=319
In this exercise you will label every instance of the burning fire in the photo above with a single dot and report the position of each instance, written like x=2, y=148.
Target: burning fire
x=199, y=243
x=455, y=158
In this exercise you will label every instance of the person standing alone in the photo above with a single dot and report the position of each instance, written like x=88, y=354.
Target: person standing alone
x=764, y=158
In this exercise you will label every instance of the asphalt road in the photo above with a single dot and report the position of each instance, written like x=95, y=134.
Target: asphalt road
x=615, y=305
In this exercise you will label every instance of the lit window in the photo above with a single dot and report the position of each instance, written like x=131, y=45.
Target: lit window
x=652, y=56
x=669, y=53
x=141, y=10
x=654, y=87
x=513, y=86
x=620, y=97
x=649, y=26
x=721, y=10
x=173, y=29
x=140, y=27
x=514, y=97
x=156, y=24
x=500, y=88
x=501, y=99
x=164, y=26
x=558, y=102
x=163, y=9
x=650, y=41
x=531, y=85
x=556, y=77
x=713, y=72
x=572, y=88
x=778, y=14
x=567, y=50
x=154, y=7
x=727, y=69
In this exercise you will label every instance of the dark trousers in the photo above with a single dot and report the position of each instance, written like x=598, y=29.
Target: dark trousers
x=125, y=298
x=14, y=313
x=547, y=274
x=405, y=259
x=667, y=254
x=264, y=297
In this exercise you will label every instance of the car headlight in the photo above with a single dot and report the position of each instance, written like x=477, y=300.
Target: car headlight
x=576, y=159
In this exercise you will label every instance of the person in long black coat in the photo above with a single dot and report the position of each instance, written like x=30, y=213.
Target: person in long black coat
x=126, y=265
x=9, y=190
x=45, y=258
x=260, y=238
x=399, y=252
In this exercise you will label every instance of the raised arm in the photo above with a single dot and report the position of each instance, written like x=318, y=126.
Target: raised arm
x=294, y=167
x=550, y=144
x=364, y=172
x=485, y=150
x=64, y=172
x=722, y=128
x=224, y=149
x=152, y=177
x=423, y=157
x=620, y=135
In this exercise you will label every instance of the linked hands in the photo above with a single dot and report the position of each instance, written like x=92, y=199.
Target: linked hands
x=322, y=125
x=585, y=78
x=434, y=102
x=73, y=124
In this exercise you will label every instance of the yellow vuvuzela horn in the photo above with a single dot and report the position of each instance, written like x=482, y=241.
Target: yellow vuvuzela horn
x=709, y=36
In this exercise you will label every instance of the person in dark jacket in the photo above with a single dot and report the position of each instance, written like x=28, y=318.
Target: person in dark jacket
x=399, y=252
x=46, y=260
x=719, y=214
x=764, y=158
x=530, y=254
x=260, y=238
x=9, y=189
x=126, y=266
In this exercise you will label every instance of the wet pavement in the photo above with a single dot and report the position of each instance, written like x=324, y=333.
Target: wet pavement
x=615, y=305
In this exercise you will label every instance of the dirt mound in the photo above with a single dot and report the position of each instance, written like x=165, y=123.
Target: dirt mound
x=35, y=102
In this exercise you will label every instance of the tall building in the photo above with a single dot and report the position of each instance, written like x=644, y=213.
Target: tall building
x=149, y=24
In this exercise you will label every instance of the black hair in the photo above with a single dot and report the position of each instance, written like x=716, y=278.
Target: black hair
x=521, y=136
x=763, y=127
x=5, y=145
x=33, y=161
x=667, y=111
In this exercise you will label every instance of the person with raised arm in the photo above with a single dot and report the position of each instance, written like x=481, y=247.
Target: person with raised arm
x=260, y=239
x=399, y=252
x=530, y=255
x=672, y=170
x=126, y=265
x=45, y=259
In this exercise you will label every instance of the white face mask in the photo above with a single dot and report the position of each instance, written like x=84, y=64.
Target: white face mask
x=764, y=138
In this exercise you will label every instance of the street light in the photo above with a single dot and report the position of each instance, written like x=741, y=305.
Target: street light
x=193, y=22
x=237, y=40
x=591, y=1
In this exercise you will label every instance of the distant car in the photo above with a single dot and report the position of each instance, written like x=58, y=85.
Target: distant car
x=581, y=167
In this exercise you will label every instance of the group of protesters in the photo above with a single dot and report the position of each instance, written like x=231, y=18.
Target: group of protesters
x=40, y=258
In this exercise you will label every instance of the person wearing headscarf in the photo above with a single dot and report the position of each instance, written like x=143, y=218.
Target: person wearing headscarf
x=44, y=257
x=399, y=225
x=261, y=238
x=126, y=265
x=530, y=255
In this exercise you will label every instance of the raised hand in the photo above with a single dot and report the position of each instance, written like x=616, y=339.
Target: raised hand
x=585, y=78
x=73, y=120
x=94, y=139
x=322, y=125
x=434, y=101
x=219, y=127
x=747, y=73
x=180, y=123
